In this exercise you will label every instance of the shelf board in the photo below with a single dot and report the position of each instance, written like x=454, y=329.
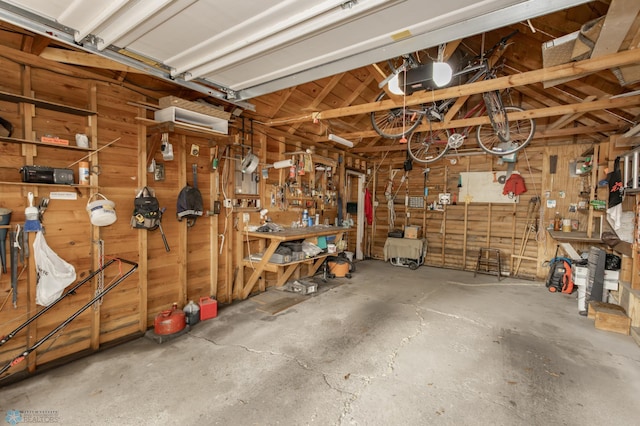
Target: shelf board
x=51, y=145
x=275, y=267
x=53, y=106
x=245, y=209
x=48, y=185
x=301, y=197
x=574, y=236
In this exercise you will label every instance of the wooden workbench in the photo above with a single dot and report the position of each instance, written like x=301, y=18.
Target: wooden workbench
x=285, y=270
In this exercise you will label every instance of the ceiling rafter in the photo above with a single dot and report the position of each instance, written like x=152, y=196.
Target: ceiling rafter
x=326, y=90
x=542, y=134
x=533, y=113
x=581, y=68
x=569, y=118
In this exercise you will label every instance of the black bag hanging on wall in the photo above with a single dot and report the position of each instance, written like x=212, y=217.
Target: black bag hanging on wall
x=190, y=205
x=146, y=211
x=616, y=189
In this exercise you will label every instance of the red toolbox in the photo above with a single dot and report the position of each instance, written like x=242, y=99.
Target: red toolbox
x=208, y=308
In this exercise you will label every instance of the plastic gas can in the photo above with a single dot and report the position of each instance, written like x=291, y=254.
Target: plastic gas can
x=208, y=308
x=192, y=313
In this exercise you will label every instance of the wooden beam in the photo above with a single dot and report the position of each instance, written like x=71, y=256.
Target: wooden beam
x=40, y=43
x=532, y=113
x=568, y=118
x=573, y=69
x=555, y=96
x=570, y=131
x=85, y=59
x=69, y=70
x=326, y=90
x=620, y=141
x=620, y=17
x=541, y=133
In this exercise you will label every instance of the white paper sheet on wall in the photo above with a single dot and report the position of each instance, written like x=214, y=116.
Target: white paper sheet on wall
x=484, y=187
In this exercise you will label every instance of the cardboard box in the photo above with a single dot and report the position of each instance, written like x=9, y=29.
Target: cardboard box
x=413, y=232
x=612, y=320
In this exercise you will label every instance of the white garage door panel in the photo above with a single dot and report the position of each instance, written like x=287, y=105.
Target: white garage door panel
x=251, y=47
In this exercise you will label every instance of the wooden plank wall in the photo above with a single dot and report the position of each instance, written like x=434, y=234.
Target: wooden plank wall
x=168, y=277
x=456, y=233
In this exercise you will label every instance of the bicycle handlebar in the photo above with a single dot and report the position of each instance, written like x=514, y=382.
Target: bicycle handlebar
x=501, y=43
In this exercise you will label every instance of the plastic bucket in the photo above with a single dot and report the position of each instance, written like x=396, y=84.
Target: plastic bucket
x=5, y=216
x=101, y=212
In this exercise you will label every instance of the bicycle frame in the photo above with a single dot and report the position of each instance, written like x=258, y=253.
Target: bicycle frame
x=483, y=70
x=500, y=136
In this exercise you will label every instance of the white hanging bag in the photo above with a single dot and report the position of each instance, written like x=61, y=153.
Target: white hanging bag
x=54, y=274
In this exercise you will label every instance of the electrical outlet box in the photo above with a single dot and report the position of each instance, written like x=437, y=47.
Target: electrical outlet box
x=245, y=217
x=227, y=203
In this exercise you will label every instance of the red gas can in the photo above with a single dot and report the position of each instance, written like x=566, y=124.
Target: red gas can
x=170, y=321
x=208, y=308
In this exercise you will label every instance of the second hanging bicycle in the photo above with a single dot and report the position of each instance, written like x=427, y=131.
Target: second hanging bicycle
x=501, y=136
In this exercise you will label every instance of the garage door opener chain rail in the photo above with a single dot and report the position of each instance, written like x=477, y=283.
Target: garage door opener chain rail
x=63, y=324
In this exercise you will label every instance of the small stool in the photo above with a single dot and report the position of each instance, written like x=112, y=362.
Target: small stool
x=485, y=260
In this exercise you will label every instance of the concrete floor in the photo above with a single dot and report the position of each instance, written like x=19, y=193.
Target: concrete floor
x=391, y=346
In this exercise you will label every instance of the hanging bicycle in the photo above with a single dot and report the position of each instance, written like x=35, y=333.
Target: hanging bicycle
x=499, y=137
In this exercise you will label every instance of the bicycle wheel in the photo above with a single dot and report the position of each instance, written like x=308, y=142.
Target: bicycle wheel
x=520, y=134
x=396, y=122
x=428, y=146
x=497, y=114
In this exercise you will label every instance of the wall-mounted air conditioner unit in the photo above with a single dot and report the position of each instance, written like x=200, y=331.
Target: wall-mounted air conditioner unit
x=180, y=115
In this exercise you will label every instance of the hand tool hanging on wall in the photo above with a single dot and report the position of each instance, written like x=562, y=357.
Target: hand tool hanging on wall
x=164, y=238
x=13, y=239
x=5, y=218
x=53, y=332
x=214, y=161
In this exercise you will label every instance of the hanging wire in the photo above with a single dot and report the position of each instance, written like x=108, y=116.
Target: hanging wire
x=403, y=139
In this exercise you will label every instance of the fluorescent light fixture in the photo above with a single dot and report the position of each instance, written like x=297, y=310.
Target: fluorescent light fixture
x=340, y=140
x=283, y=164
